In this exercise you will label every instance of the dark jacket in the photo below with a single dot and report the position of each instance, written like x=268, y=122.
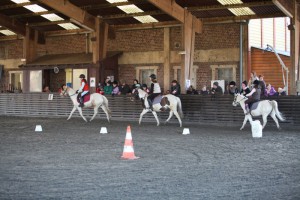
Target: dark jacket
x=217, y=91
x=233, y=90
x=246, y=91
x=175, y=90
x=124, y=89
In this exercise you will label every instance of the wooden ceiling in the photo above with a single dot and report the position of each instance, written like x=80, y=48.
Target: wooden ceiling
x=15, y=17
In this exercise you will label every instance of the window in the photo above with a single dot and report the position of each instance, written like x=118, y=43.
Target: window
x=223, y=72
x=36, y=81
x=143, y=73
x=16, y=80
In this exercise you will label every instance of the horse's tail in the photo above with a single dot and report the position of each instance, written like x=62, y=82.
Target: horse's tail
x=179, y=107
x=275, y=108
x=105, y=103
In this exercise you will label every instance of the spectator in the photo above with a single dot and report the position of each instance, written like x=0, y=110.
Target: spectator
x=191, y=90
x=46, y=89
x=145, y=88
x=62, y=88
x=245, y=90
x=271, y=91
x=204, y=90
x=253, y=77
x=108, y=88
x=216, y=90
x=262, y=85
x=175, y=88
x=124, y=89
x=115, y=90
x=281, y=92
x=232, y=89
x=135, y=85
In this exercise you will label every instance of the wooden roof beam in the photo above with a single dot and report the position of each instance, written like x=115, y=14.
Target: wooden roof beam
x=47, y=23
x=17, y=5
x=129, y=27
x=78, y=15
x=171, y=8
x=221, y=7
x=239, y=18
x=13, y=25
x=119, y=16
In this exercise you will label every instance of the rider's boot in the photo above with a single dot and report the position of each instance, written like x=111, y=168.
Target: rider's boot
x=81, y=101
x=247, y=109
x=150, y=104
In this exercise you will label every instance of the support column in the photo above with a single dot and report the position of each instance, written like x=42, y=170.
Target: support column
x=99, y=48
x=30, y=44
x=294, y=29
x=191, y=25
x=166, y=59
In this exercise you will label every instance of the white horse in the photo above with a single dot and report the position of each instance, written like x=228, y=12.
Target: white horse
x=264, y=108
x=172, y=102
x=96, y=100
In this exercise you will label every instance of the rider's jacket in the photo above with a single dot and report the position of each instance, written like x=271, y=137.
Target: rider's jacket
x=155, y=88
x=256, y=95
x=86, y=86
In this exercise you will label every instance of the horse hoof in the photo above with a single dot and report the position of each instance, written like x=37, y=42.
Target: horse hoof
x=241, y=129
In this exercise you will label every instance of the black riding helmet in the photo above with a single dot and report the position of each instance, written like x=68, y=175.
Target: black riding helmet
x=82, y=76
x=153, y=76
x=256, y=82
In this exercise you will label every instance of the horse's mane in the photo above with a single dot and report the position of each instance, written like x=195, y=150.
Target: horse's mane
x=142, y=92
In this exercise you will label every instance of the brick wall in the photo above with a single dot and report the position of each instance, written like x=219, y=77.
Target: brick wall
x=218, y=36
x=11, y=49
x=139, y=40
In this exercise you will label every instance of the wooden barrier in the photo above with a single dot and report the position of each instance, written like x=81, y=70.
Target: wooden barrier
x=196, y=108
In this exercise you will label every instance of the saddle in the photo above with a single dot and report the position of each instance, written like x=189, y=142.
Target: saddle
x=162, y=101
x=253, y=106
x=85, y=97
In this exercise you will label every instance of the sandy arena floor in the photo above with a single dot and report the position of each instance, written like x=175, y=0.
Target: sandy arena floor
x=72, y=160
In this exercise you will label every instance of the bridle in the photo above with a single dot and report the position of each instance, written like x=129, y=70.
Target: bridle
x=238, y=102
x=65, y=91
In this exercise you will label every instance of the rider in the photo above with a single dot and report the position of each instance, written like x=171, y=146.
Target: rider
x=83, y=90
x=253, y=96
x=154, y=90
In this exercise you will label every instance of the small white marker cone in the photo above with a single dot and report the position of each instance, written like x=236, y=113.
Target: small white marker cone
x=103, y=130
x=186, y=131
x=256, y=129
x=38, y=128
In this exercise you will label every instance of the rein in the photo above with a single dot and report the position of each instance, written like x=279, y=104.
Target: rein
x=241, y=100
x=65, y=91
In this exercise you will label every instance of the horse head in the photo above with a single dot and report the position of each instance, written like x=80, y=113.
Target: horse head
x=67, y=91
x=238, y=98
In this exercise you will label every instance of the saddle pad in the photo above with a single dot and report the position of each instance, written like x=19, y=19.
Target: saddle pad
x=254, y=105
x=157, y=99
x=85, y=98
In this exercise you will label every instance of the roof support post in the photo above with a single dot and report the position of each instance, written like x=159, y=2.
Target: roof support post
x=166, y=59
x=30, y=44
x=190, y=27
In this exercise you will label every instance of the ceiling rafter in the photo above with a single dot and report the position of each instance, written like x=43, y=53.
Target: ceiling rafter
x=87, y=7
x=156, y=12
x=170, y=7
x=79, y=15
x=18, y=5
x=221, y=7
x=146, y=26
x=48, y=23
x=12, y=25
x=240, y=18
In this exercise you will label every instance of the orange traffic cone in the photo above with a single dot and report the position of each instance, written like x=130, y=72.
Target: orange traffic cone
x=128, y=151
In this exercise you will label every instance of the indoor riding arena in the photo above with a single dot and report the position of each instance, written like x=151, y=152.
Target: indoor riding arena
x=213, y=65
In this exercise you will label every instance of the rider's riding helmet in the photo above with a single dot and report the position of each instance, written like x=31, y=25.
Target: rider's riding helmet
x=82, y=76
x=153, y=76
x=256, y=82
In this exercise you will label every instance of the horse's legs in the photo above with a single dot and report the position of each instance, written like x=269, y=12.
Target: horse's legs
x=104, y=108
x=155, y=115
x=142, y=114
x=73, y=110
x=95, y=113
x=80, y=112
x=170, y=115
x=245, y=121
x=178, y=117
x=264, y=121
x=273, y=115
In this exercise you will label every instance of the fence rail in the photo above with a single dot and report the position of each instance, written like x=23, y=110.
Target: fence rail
x=196, y=108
